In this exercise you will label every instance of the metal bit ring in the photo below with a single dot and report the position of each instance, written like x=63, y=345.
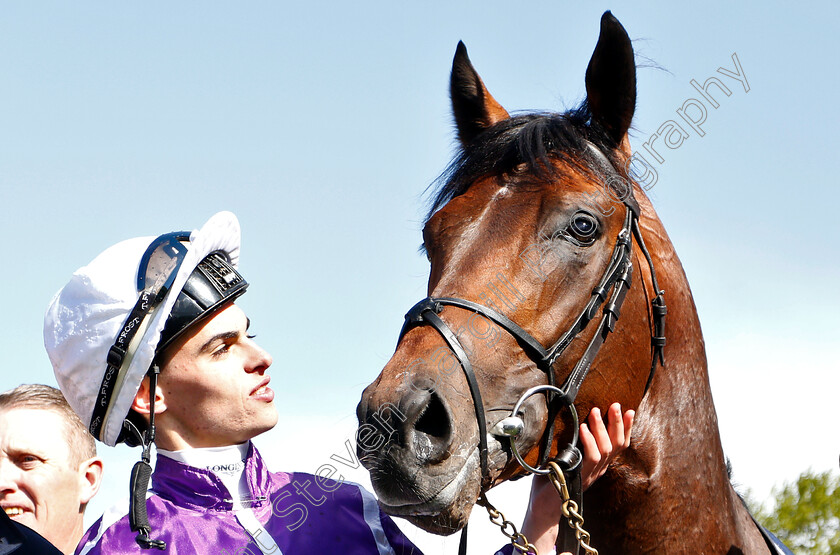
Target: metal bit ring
x=515, y=411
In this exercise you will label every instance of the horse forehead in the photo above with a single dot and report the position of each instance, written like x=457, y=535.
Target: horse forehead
x=469, y=207
x=497, y=199
x=496, y=195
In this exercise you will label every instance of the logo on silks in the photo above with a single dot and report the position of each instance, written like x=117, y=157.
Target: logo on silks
x=230, y=469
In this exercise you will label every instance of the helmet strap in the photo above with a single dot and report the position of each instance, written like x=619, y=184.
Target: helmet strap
x=141, y=473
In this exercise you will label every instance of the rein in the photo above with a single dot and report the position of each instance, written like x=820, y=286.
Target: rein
x=564, y=469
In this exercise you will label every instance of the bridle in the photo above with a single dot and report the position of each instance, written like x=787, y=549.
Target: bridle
x=616, y=278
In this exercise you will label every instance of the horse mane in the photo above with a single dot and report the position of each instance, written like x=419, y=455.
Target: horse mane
x=535, y=139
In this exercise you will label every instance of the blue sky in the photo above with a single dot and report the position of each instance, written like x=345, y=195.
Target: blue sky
x=321, y=126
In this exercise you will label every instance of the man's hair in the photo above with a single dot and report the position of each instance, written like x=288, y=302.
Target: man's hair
x=37, y=396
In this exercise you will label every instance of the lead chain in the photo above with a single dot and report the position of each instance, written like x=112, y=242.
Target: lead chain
x=570, y=508
x=519, y=542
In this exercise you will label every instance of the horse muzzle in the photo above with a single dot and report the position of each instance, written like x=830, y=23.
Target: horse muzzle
x=419, y=466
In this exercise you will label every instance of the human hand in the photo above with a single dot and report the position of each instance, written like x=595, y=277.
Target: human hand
x=601, y=444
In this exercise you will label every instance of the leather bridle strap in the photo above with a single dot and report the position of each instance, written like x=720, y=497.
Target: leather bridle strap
x=426, y=311
x=415, y=317
x=566, y=538
x=658, y=310
x=618, y=277
x=620, y=257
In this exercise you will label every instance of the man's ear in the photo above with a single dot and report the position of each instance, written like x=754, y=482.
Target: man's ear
x=90, y=472
x=142, y=404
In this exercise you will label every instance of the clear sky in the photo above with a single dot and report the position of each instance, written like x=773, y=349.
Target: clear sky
x=320, y=125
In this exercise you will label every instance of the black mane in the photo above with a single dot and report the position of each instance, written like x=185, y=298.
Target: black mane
x=534, y=139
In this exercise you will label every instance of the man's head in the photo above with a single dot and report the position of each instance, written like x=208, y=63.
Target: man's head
x=212, y=389
x=49, y=470
x=135, y=308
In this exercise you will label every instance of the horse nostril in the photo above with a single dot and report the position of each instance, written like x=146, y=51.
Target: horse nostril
x=434, y=421
x=432, y=431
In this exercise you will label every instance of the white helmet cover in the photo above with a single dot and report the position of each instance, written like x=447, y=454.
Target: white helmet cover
x=85, y=316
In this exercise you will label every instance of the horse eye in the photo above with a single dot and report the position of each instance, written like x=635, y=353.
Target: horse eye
x=583, y=227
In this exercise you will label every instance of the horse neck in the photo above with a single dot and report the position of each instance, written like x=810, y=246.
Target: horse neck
x=677, y=414
x=674, y=470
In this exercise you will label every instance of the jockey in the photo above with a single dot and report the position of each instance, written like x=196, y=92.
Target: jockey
x=148, y=347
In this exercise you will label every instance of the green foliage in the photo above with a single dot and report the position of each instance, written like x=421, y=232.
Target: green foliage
x=805, y=514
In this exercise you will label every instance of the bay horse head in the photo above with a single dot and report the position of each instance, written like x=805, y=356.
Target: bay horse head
x=537, y=244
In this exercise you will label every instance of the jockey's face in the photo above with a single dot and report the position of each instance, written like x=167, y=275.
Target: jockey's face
x=212, y=389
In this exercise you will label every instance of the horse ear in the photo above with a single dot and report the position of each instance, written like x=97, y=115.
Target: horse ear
x=611, y=79
x=473, y=107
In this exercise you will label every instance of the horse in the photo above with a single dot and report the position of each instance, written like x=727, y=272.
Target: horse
x=537, y=231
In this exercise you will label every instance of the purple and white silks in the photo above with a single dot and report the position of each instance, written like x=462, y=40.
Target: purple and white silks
x=190, y=509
